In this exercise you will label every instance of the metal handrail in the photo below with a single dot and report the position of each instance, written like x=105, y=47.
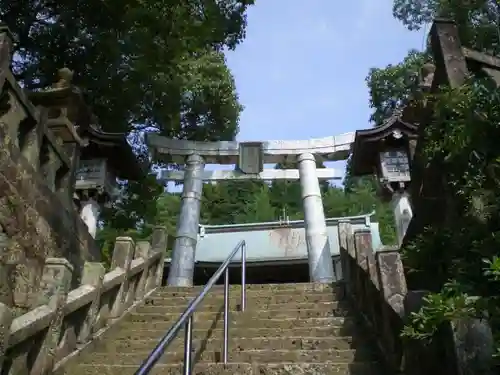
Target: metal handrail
x=186, y=318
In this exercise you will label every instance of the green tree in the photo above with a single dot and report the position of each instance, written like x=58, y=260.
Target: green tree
x=477, y=20
x=457, y=258
x=227, y=201
x=391, y=86
x=143, y=65
x=259, y=209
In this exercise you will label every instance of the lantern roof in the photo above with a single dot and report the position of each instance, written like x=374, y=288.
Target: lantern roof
x=368, y=142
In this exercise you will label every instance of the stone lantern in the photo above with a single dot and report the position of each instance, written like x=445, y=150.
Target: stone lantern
x=63, y=110
x=387, y=152
x=97, y=158
x=105, y=158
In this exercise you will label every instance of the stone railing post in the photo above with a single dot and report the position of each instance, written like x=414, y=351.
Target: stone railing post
x=394, y=290
x=344, y=230
x=6, y=317
x=34, y=139
x=392, y=279
x=55, y=285
x=159, y=244
x=143, y=250
x=123, y=254
x=93, y=274
x=6, y=42
x=362, y=247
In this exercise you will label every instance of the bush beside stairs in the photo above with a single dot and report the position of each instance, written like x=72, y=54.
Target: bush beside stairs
x=286, y=329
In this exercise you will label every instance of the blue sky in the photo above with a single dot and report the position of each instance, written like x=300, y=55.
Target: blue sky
x=300, y=72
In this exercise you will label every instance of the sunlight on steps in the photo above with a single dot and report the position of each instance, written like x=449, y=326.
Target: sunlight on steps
x=286, y=329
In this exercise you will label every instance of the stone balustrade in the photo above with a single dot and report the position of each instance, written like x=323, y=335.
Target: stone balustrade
x=376, y=284
x=65, y=320
x=37, y=219
x=24, y=127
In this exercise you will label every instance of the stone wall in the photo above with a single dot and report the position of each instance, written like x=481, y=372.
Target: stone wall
x=37, y=219
x=44, y=339
x=377, y=285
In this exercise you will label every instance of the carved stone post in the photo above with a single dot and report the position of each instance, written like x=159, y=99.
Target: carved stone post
x=67, y=184
x=344, y=230
x=394, y=289
x=122, y=257
x=34, y=139
x=183, y=257
x=5, y=50
x=362, y=245
x=159, y=243
x=447, y=51
x=55, y=285
x=93, y=274
x=6, y=317
x=318, y=245
x=142, y=250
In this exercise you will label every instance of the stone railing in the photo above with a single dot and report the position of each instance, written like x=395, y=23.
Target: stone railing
x=37, y=219
x=376, y=284
x=40, y=341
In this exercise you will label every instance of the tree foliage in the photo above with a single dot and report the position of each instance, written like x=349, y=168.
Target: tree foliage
x=462, y=252
x=143, y=65
x=155, y=64
x=477, y=20
x=456, y=259
x=392, y=85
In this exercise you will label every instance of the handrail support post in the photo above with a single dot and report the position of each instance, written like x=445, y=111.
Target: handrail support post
x=226, y=317
x=243, y=276
x=188, y=346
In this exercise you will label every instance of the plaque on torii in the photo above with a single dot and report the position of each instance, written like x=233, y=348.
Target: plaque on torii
x=250, y=158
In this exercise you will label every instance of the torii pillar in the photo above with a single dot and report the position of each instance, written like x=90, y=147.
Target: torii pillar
x=318, y=244
x=183, y=257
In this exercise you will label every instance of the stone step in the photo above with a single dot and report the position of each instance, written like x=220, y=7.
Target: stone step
x=248, y=356
x=130, y=344
x=235, y=301
x=211, y=316
x=287, y=287
x=264, y=310
x=235, y=369
x=141, y=321
x=131, y=332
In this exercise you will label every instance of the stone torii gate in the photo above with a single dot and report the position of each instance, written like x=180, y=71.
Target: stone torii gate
x=250, y=157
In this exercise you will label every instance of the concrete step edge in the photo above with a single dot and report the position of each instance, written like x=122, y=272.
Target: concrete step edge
x=281, y=338
x=250, y=312
x=267, y=364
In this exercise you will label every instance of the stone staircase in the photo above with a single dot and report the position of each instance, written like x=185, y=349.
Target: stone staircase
x=286, y=329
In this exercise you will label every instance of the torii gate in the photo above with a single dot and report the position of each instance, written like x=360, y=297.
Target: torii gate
x=250, y=158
